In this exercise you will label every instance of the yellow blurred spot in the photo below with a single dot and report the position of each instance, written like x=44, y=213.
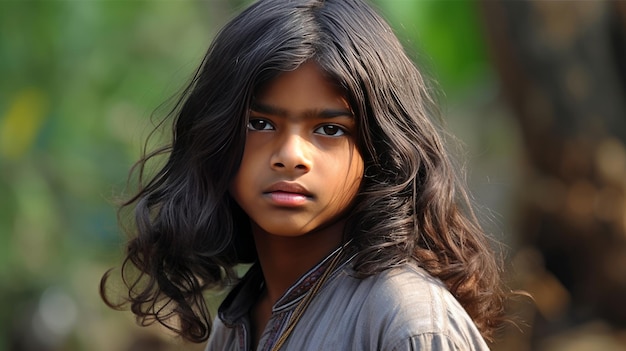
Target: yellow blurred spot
x=22, y=122
x=611, y=160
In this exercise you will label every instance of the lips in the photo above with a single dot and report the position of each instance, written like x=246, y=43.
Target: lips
x=286, y=194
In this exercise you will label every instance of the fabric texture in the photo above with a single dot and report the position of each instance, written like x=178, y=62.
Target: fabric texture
x=401, y=308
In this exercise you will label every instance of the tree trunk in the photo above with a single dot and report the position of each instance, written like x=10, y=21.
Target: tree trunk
x=562, y=67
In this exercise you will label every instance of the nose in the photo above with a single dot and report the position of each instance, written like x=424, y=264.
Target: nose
x=292, y=154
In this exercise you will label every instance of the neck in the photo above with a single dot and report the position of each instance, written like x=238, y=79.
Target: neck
x=285, y=259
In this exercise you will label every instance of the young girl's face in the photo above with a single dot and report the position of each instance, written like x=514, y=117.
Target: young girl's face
x=301, y=168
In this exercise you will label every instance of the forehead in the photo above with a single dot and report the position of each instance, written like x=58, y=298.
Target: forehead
x=308, y=86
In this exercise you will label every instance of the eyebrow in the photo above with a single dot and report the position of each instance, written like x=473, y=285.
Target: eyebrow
x=277, y=111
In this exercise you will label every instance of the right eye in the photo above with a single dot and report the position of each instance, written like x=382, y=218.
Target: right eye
x=259, y=124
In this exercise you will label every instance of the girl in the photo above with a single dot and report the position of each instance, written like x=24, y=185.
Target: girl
x=305, y=145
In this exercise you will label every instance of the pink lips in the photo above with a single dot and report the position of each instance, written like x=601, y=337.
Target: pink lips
x=288, y=194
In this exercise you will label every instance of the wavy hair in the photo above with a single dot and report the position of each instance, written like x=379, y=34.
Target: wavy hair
x=188, y=232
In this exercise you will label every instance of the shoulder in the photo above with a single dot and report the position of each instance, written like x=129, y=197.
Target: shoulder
x=410, y=287
x=413, y=308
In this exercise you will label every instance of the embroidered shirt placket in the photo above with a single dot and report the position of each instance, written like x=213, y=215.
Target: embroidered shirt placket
x=281, y=311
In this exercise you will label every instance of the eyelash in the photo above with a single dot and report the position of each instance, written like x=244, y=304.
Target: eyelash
x=338, y=129
x=252, y=121
x=267, y=125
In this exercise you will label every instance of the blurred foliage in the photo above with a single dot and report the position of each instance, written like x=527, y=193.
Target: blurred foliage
x=81, y=81
x=445, y=37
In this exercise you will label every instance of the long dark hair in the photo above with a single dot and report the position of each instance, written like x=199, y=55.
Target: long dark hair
x=189, y=233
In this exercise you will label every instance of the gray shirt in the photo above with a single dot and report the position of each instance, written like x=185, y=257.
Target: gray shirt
x=401, y=308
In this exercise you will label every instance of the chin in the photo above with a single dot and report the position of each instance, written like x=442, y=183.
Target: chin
x=286, y=233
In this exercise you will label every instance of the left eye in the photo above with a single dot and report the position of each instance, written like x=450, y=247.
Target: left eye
x=259, y=124
x=331, y=130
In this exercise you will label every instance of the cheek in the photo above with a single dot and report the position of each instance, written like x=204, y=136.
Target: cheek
x=251, y=156
x=355, y=160
x=241, y=180
x=351, y=173
x=356, y=174
x=235, y=187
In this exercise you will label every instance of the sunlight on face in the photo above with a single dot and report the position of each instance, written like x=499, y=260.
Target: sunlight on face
x=301, y=169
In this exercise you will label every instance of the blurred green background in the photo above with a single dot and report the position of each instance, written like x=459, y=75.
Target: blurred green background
x=81, y=83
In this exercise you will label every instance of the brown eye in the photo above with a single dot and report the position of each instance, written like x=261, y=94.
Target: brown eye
x=259, y=124
x=330, y=130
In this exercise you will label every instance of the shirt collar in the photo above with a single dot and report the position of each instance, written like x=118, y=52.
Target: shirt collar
x=240, y=300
